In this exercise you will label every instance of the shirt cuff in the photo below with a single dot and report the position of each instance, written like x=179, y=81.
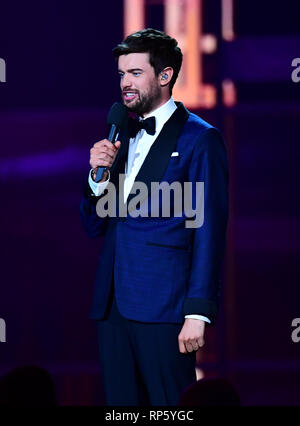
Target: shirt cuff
x=200, y=317
x=99, y=187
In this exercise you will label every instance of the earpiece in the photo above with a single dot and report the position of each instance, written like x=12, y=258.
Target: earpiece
x=164, y=76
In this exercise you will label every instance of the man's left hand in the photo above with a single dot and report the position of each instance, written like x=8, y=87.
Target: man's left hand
x=191, y=336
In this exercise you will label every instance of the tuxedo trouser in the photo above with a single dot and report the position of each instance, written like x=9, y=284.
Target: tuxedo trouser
x=141, y=362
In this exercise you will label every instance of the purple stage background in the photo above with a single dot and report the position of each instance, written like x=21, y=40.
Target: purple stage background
x=61, y=82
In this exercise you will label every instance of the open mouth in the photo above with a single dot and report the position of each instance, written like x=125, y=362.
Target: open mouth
x=129, y=96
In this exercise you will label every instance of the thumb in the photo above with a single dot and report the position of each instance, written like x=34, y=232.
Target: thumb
x=117, y=144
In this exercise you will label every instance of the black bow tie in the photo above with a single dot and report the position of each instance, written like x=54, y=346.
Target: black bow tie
x=135, y=126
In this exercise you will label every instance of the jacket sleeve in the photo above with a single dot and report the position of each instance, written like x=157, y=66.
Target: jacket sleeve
x=208, y=165
x=94, y=225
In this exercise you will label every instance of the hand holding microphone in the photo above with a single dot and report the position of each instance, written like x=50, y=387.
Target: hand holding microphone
x=103, y=155
x=104, y=152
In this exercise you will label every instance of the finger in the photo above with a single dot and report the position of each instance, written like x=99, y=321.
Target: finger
x=182, y=348
x=112, y=149
x=200, y=342
x=104, y=143
x=103, y=156
x=189, y=346
x=103, y=150
x=96, y=162
x=195, y=345
x=100, y=144
x=111, y=145
x=110, y=153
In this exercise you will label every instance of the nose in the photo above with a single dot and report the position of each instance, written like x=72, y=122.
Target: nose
x=126, y=81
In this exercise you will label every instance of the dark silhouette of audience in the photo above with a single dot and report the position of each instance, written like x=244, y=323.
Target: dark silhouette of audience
x=27, y=386
x=32, y=386
x=210, y=392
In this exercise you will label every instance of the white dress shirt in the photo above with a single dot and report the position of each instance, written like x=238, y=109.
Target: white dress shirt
x=138, y=149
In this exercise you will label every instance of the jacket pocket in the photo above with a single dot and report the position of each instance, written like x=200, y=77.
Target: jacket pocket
x=149, y=243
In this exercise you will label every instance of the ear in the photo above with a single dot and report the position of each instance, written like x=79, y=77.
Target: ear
x=165, y=76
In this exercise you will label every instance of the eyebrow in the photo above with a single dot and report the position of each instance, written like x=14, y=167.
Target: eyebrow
x=131, y=70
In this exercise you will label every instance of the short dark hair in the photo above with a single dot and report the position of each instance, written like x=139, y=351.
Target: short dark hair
x=163, y=50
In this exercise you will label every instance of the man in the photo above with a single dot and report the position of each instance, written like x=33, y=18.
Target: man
x=157, y=283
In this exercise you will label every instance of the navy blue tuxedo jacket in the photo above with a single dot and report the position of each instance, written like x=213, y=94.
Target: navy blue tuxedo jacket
x=163, y=270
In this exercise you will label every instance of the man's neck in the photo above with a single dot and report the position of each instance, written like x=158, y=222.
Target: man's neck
x=161, y=103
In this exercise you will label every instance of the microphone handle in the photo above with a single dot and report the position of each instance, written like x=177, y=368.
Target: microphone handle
x=112, y=137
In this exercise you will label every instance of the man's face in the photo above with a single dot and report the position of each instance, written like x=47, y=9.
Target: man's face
x=141, y=91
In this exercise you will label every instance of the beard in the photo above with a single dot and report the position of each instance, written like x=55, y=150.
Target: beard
x=147, y=101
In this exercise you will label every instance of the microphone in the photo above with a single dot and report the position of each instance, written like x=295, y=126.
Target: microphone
x=116, y=118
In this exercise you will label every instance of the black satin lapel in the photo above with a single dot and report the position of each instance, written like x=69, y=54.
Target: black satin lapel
x=158, y=157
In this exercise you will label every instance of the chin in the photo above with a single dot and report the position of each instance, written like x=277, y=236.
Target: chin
x=134, y=108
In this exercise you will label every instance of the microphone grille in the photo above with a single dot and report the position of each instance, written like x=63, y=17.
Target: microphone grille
x=117, y=115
